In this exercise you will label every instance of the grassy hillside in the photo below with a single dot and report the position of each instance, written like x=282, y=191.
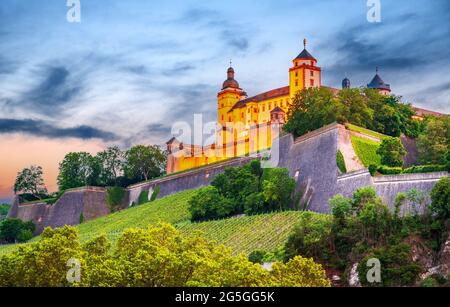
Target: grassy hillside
x=355, y=128
x=242, y=234
x=366, y=150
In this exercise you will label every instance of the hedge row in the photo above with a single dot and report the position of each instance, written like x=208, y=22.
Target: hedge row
x=386, y=170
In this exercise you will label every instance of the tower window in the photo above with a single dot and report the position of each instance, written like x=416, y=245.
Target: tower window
x=222, y=117
x=312, y=82
x=296, y=73
x=312, y=73
x=242, y=115
x=296, y=82
x=264, y=108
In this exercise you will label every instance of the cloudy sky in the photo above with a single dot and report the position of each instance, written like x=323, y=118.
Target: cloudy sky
x=130, y=69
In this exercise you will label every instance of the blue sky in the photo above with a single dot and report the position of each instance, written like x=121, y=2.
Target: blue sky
x=132, y=68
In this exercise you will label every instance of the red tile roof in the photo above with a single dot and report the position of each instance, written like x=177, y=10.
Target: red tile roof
x=423, y=112
x=282, y=91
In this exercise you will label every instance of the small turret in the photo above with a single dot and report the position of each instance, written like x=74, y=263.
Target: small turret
x=346, y=83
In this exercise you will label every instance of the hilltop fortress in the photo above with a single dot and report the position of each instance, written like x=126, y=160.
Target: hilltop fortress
x=310, y=159
x=247, y=125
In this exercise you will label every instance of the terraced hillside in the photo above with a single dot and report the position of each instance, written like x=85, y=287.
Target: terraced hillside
x=243, y=234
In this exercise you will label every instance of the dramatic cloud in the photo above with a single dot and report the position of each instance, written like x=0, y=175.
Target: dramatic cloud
x=40, y=128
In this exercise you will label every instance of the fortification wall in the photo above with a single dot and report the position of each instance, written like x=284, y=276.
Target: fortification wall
x=89, y=201
x=310, y=159
x=388, y=187
x=313, y=156
x=183, y=181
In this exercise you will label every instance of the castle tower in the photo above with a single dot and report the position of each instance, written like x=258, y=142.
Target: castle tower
x=228, y=96
x=378, y=84
x=304, y=73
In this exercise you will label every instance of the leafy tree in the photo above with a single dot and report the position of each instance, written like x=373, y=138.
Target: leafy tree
x=363, y=196
x=78, y=169
x=433, y=143
x=12, y=230
x=144, y=162
x=397, y=267
x=440, y=200
x=207, y=204
x=299, y=272
x=353, y=108
x=375, y=218
x=137, y=261
x=392, y=152
x=447, y=159
x=111, y=165
x=278, y=189
x=30, y=180
x=311, y=109
x=4, y=209
x=114, y=197
x=235, y=184
x=341, y=207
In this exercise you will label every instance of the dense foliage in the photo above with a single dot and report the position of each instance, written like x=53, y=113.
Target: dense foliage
x=137, y=260
x=392, y=152
x=4, y=209
x=362, y=227
x=315, y=107
x=14, y=230
x=144, y=162
x=114, y=197
x=30, y=181
x=434, y=142
x=111, y=167
x=248, y=189
x=78, y=169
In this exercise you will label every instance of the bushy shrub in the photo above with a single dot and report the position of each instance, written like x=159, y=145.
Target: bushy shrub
x=340, y=162
x=137, y=259
x=311, y=237
x=363, y=196
x=278, y=189
x=257, y=256
x=397, y=266
x=248, y=189
x=392, y=152
x=143, y=198
x=341, y=207
x=12, y=230
x=114, y=197
x=447, y=159
x=373, y=169
x=208, y=204
x=425, y=169
x=375, y=218
x=387, y=170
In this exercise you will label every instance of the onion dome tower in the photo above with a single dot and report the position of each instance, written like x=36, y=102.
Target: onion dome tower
x=346, y=83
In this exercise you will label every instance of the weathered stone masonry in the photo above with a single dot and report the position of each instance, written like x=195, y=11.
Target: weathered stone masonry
x=310, y=159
